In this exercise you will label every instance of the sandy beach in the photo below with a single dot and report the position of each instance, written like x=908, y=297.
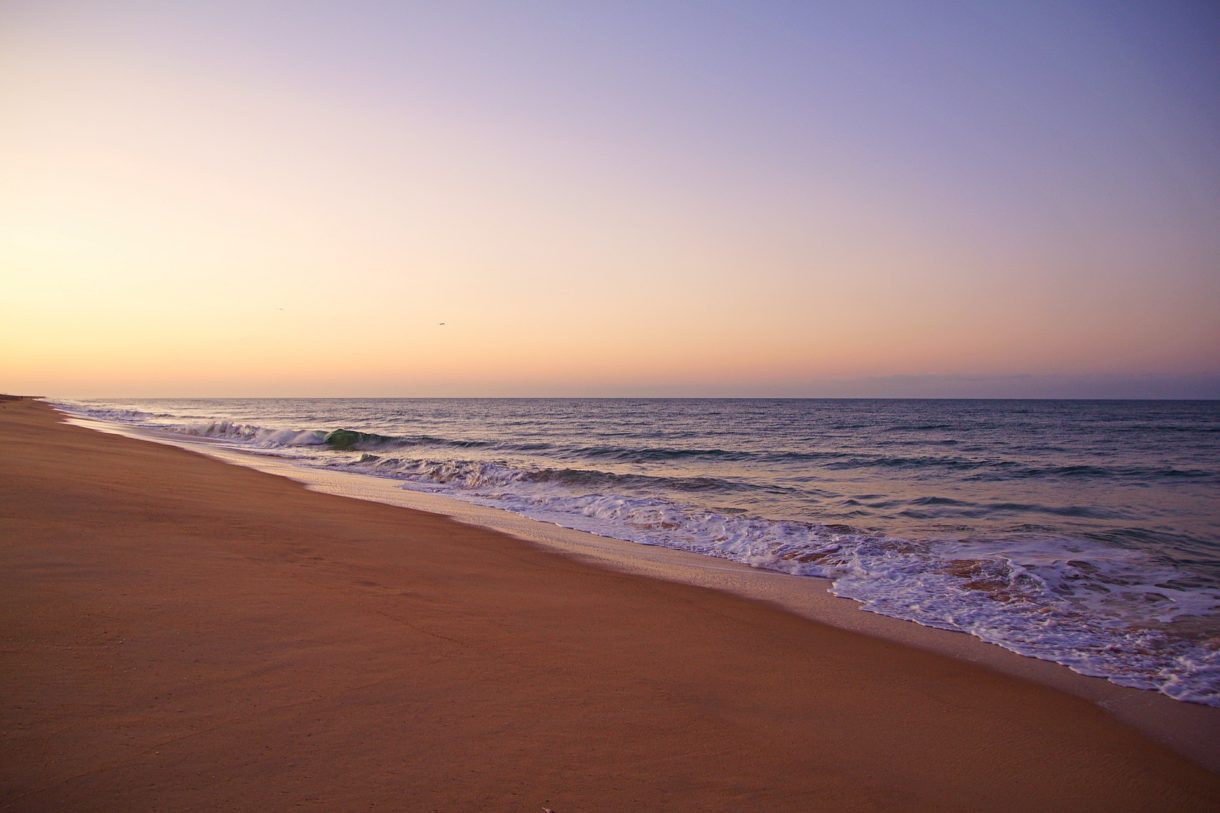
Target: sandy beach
x=182, y=634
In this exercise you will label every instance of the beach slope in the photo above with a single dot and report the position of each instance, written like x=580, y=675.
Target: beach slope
x=181, y=634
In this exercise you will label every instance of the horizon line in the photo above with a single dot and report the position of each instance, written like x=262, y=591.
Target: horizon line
x=611, y=397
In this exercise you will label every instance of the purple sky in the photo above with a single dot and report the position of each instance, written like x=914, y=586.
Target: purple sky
x=856, y=198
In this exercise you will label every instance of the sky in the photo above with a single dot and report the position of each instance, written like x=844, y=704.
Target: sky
x=959, y=199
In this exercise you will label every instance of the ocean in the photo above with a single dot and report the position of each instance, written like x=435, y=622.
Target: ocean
x=1081, y=532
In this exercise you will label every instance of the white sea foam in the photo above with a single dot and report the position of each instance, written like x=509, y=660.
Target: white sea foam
x=262, y=437
x=1098, y=609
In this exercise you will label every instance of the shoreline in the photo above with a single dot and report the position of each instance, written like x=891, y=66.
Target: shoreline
x=1191, y=729
x=170, y=618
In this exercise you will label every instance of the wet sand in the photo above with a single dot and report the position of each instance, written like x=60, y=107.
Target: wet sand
x=182, y=634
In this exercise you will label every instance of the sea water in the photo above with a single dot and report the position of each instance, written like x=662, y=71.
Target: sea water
x=1081, y=532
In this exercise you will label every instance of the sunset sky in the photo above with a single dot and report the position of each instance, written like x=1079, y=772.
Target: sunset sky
x=618, y=198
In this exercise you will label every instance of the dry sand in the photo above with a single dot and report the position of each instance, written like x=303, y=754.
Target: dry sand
x=181, y=634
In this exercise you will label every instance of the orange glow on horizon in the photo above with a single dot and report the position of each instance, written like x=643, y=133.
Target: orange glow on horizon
x=185, y=219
